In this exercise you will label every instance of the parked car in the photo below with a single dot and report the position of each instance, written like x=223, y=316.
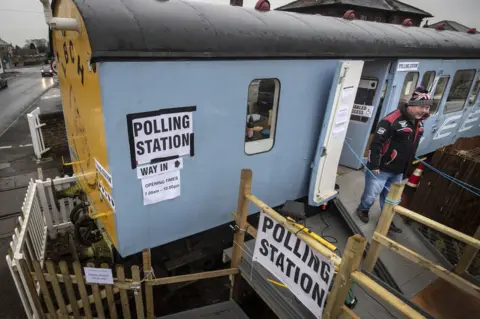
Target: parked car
x=47, y=71
x=3, y=83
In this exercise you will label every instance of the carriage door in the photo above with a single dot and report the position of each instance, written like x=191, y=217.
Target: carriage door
x=446, y=119
x=333, y=133
x=471, y=119
x=368, y=102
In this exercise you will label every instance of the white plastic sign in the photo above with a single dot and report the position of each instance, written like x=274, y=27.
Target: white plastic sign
x=106, y=195
x=305, y=272
x=362, y=110
x=158, y=188
x=159, y=168
x=98, y=275
x=160, y=134
x=106, y=175
x=407, y=66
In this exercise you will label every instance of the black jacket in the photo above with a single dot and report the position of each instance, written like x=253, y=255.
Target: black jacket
x=395, y=142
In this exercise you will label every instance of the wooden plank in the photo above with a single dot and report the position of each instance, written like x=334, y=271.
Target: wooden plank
x=352, y=257
x=348, y=313
x=437, y=226
x=63, y=210
x=425, y=263
x=147, y=273
x=138, y=293
x=193, y=277
x=242, y=214
x=56, y=289
x=123, y=294
x=31, y=290
x=70, y=290
x=385, y=295
x=129, y=283
x=77, y=269
x=46, y=210
x=312, y=242
x=386, y=218
x=467, y=257
x=97, y=297
x=55, y=214
x=44, y=289
x=111, y=301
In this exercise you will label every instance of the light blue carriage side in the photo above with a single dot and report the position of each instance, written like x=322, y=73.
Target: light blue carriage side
x=209, y=180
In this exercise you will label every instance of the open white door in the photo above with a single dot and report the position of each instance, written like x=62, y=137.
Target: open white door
x=334, y=130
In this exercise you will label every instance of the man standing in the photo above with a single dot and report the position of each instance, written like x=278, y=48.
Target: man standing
x=392, y=149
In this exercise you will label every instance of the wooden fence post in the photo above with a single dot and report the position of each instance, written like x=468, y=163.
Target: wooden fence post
x=44, y=289
x=112, y=309
x=69, y=287
x=351, y=260
x=241, y=223
x=467, y=257
x=147, y=273
x=138, y=293
x=32, y=291
x=123, y=293
x=97, y=297
x=384, y=223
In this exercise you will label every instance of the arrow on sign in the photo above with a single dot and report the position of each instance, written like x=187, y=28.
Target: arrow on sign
x=177, y=163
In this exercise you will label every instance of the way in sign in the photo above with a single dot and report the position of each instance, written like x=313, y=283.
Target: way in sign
x=159, y=168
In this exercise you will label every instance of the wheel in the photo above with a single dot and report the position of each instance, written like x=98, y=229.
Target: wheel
x=76, y=212
x=86, y=231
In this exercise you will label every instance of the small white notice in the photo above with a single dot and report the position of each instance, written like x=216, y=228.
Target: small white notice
x=343, y=111
x=98, y=275
x=106, y=175
x=362, y=110
x=407, y=66
x=106, y=195
x=158, y=188
x=159, y=168
x=306, y=273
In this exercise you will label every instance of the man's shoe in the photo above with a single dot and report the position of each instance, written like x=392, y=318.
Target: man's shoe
x=395, y=229
x=362, y=215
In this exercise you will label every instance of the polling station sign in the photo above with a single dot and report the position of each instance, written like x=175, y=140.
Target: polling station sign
x=160, y=135
x=305, y=272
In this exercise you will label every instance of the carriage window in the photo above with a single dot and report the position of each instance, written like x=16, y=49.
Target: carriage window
x=409, y=86
x=261, y=118
x=476, y=89
x=462, y=82
x=427, y=80
x=438, y=94
x=363, y=106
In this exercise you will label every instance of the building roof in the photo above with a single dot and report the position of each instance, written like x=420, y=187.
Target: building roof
x=450, y=25
x=3, y=43
x=386, y=5
x=130, y=30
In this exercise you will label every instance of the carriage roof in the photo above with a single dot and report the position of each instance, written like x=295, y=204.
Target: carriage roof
x=176, y=29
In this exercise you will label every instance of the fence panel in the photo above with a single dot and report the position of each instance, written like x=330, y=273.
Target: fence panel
x=36, y=132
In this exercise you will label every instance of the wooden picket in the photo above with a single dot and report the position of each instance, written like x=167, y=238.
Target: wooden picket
x=54, y=285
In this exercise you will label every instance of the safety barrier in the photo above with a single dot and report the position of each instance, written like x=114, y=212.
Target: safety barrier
x=39, y=220
x=381, y=240
x=348, y=266
x=36, y=132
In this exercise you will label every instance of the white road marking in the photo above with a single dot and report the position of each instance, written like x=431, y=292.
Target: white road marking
x=2, y=147
x=26, y=145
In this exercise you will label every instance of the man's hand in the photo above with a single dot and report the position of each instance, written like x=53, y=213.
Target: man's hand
x=376, y=171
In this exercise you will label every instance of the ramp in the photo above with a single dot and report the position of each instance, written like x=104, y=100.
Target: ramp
x=223, y=310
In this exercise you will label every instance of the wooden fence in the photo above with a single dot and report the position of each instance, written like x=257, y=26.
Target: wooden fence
x=348, y=266
x=380, y=240
x=38, y=221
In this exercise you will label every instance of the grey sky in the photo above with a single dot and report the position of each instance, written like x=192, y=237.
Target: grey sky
x=23, y=19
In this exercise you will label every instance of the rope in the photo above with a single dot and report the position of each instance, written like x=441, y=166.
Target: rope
x=392, y=202
x=458, y=182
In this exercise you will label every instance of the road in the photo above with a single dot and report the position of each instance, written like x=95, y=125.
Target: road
x=22, y=91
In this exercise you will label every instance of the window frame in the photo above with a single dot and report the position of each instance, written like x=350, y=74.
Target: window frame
x=445, y=111
x=476, y=84
x=255, y=145
x=433, y=80
x=403, y=86
x=432, y=95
